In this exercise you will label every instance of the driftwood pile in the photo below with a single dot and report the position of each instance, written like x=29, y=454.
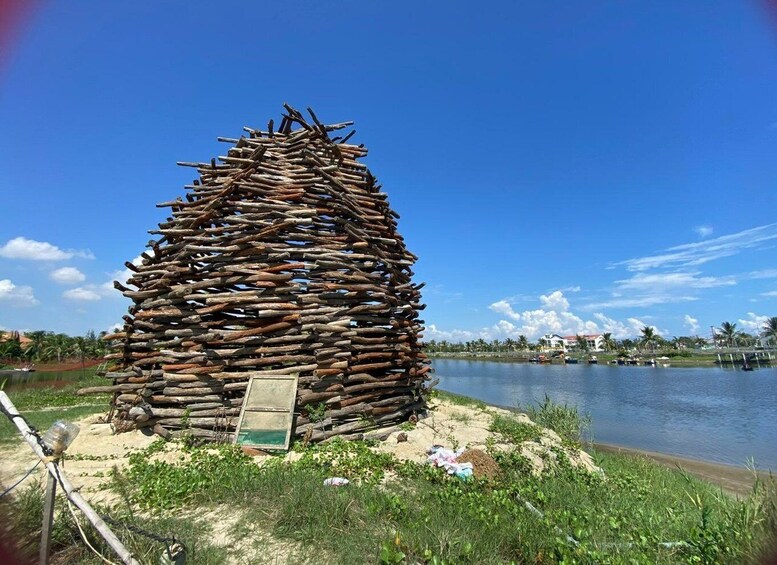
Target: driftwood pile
x=283, y=258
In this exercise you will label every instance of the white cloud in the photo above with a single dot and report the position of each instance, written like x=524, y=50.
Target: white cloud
x=553, y=317
x=431, y=332
x=691, y=323
x=31, y=250
x=644, y=290
x=81, y=293
x=694, y=254
x=663, y=281
x=770, y=293
x=67, y=275
x=555, y=301
x=703, y=231
x=619, y=330
x=753, y=323
x=763, y=274
x=536, y=323
x=638, y=301
x=504, y=307
x=17, y=295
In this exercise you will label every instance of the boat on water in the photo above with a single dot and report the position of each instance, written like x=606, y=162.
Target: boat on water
x=650, y=363
x=540, y=359
x=570, y=360
x=592, y=360
x=16, y=372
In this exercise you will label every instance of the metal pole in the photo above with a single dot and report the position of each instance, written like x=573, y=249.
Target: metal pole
x=48, y=520
x=73, y=495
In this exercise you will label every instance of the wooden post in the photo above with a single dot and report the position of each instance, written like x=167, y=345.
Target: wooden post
x=48, y=520
x=55, y=473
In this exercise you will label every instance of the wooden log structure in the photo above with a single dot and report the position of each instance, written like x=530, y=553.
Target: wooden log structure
x=283, y=257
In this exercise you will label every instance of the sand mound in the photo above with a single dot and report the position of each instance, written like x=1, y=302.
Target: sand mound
x=483, y=465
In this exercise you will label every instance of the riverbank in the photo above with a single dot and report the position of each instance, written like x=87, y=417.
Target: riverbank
x=228, y=506
x=669, y=359
x=710, y=414
x=738, y=481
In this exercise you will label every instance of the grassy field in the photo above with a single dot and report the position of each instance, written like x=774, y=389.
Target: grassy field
x=225, y=508
x=44, y=405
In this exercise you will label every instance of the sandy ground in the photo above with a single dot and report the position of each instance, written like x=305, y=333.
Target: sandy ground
x=96, y=450
x=88, y=460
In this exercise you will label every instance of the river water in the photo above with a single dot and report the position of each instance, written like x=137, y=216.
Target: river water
x=712, y=414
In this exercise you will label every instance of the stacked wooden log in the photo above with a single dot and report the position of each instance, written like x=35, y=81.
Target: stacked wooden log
x=282, y=258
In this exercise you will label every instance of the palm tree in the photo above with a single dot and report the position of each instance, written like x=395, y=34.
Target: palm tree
x=57, y=344
x=769, y=330
x=608, y=342
x=582, y=342
x=34, y=350
x=523, y=343
x=649, y=337
x=728, y=332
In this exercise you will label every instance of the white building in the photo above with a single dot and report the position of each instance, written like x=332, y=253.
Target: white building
x=595, y=341
x=554, y=341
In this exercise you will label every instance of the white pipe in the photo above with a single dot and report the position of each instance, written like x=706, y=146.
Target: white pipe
x=73, y=495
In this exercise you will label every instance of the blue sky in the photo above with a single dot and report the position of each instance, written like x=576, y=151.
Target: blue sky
x=558, y=166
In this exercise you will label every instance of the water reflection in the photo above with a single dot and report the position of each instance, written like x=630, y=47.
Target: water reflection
x=712, y=414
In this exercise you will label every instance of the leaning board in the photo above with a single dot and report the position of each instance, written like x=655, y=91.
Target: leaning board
x=268, y=412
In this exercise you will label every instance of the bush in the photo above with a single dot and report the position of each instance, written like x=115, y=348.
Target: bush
x=565, y=420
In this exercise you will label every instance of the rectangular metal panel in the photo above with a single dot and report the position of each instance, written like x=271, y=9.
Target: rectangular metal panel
x=268, y=412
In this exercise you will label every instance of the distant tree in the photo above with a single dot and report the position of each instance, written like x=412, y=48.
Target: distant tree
x=581, y=342
x=745, y=339
x=57, y=345
x=11, y=348
x=649, y=338
x=728, y=333
x=34, y=350
x=769, y=330
x=662, y=343
x=523, y=343
x=608, y=343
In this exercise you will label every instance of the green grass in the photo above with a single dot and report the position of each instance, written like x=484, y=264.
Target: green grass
x=43, y=406
x=513, y=430
x=403, y=512
x=425, y=515
x=67, y=546
x=460, y=400
x=565, y=420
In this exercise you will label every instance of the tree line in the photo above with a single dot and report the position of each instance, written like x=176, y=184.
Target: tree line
x=727, y=335
x=47, y=347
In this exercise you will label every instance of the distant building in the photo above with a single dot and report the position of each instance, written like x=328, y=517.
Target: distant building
x=14, y=335
x=595, y=341
x=554, y=341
